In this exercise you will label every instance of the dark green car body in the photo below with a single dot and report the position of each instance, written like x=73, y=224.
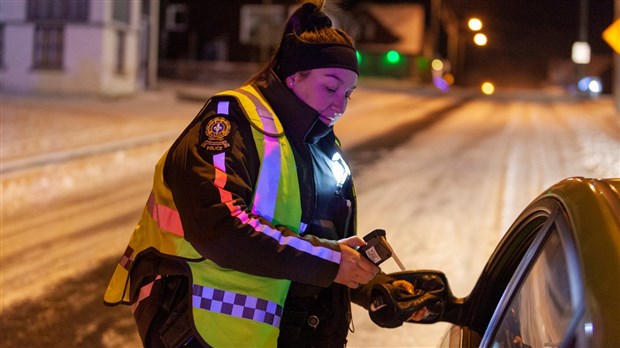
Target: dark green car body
x=554, y=278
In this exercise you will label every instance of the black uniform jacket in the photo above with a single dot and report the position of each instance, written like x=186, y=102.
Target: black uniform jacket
x=327, y=206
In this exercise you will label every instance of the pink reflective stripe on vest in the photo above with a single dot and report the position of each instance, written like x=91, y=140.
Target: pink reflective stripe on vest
x=167, y=219
x=267, y=188
x=145, y=292
x=219, y=161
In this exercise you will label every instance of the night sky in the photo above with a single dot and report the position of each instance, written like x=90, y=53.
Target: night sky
x=525, y=35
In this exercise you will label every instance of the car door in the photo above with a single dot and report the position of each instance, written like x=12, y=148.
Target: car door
x=543, y=303
x=552, y=280
x=513, y=252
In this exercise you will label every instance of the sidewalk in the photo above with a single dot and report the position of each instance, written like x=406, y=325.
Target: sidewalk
x=41, y=129
x=38, y=129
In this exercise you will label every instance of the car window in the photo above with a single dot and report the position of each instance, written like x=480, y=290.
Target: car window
x=540, y=313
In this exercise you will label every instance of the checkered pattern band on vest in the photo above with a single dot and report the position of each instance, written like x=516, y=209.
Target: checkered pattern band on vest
x=237, y=305
x=126, y=258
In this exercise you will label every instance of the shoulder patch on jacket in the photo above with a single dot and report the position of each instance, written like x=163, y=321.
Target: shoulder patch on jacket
x=216, y=133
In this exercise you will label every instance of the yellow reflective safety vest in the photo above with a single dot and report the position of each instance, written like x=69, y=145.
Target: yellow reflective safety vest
x=229, y=308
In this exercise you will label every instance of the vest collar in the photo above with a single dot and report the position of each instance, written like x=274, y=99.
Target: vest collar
x=299, y=120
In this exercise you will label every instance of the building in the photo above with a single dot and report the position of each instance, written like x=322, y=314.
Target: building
x=216, y=40
x=78, y=46
x=209, y=41
x=391, y=40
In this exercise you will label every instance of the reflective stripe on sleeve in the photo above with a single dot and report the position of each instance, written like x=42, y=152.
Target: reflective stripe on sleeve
x=222, y=107
x=297, y=243
x=267, y=190
x=219, y=162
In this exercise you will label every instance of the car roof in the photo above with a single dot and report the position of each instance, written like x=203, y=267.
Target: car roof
x=593, y=211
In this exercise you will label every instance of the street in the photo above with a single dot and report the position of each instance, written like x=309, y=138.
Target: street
x=444, y=174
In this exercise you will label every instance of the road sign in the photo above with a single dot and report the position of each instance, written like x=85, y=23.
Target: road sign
x=611, y=35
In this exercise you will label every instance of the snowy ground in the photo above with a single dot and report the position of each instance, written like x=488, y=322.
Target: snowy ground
x=76, y=173
x=446, y=197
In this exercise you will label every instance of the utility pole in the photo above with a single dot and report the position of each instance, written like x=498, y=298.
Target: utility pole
x=266, y=32
x=615, y=79
x=435, y=26
x=583, y=36
x=153, y=44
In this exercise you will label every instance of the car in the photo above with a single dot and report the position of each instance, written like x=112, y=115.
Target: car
x=552, y=281
x=590, y=86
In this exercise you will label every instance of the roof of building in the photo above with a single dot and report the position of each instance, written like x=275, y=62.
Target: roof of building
x=402, y=22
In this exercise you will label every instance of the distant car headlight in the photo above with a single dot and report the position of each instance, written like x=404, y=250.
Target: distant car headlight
x=590, y=85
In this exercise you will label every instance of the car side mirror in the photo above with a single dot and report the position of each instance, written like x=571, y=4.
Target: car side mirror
x=444, y=306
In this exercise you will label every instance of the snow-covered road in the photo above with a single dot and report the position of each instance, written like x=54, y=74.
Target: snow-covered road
x=445, y=196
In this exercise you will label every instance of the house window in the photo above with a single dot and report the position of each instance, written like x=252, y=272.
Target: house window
x=50, y=16
x=58, y=10
x=177, y=17
x=48, y=46
x=120, y=10
x=120, y=52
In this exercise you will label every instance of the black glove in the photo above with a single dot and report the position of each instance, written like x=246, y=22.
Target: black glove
x=392, y=305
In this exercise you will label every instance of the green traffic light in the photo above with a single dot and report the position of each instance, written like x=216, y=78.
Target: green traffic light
x=393, y=57
x=359, y=57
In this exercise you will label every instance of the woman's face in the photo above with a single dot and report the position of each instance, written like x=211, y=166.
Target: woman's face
x=326, y=90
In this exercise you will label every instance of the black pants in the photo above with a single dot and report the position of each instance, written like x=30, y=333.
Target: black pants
x=319, y=321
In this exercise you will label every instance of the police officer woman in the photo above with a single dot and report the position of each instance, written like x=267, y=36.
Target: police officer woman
x=248, y=237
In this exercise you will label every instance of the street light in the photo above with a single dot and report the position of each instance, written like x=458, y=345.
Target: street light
x=460, y=33
x=487, y=88
x=474, y=24
x=480, y=39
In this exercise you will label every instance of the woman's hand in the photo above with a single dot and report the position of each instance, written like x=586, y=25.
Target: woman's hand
x=354, y=268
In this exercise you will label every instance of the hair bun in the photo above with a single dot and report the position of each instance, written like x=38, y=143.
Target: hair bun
x=312, y=18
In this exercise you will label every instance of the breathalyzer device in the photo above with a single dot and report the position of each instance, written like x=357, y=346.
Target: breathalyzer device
x=377, y=248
